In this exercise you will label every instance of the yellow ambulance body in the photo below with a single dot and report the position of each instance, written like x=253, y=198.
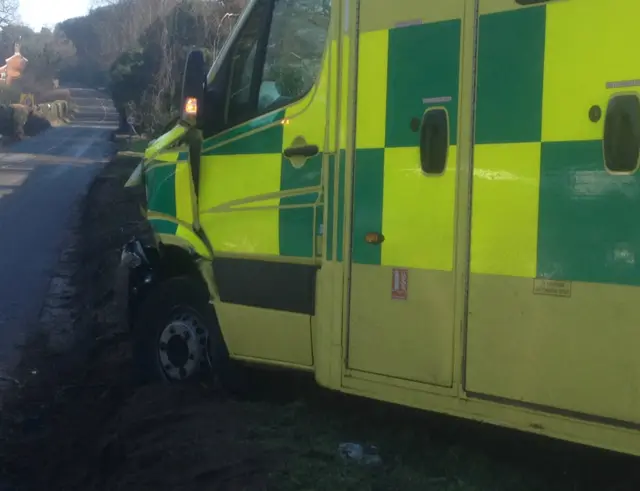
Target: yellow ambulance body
x=428, y=202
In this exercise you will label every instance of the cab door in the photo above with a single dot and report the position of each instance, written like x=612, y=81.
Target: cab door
x=401, y=310
x=260, y=189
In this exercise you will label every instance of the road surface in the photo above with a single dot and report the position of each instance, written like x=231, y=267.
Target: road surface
x=40, y=180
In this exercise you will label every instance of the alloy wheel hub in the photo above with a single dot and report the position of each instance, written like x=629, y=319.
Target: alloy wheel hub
x=182, y=347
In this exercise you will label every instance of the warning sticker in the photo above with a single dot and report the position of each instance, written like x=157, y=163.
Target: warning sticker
x=542, y=286
x=399, y=284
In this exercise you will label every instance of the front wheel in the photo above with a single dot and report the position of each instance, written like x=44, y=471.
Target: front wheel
x=176, y=333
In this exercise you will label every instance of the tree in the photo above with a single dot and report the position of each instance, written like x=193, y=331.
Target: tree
x=8, y=12
x=138, y=48
x=49, y=54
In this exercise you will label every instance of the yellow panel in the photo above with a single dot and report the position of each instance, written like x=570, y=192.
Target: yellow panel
x=345, y=94
x=504, y=231
x=577, y=353
x=184, y=193
x=372, y=89
x=409, y=339
x=386, y=14
x=418, y=216
x=171, y=156
x=266, y=334
x=250, y=232
x=307, y=117
x=588, y=44
x=164, y=141
x=197, y=244
x=226, y=178
x=332, y=95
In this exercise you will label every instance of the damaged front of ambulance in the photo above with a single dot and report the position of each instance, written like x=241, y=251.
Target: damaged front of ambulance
x=164, y=287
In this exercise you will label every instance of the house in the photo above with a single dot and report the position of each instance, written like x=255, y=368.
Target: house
x=13, y=67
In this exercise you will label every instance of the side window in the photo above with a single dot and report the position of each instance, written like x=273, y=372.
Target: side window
x=295, y=50
x=621, y=142
x=278, y=56
x=244, y=60
x=434, y=141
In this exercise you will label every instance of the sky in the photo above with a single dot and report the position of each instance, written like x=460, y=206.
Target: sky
x=39, y=13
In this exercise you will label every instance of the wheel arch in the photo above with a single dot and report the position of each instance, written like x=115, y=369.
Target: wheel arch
x=180, y=259
x=165, y=260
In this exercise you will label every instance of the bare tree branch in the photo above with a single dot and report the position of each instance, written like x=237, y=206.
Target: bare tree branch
x=8, y=12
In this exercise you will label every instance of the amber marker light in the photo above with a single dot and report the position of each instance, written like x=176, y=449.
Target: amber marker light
x=191, y=106
x=374, y=238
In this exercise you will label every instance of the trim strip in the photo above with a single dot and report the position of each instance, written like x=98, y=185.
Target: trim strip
x=567, y=413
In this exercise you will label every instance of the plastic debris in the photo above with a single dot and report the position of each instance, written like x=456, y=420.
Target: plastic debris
x=362, y=454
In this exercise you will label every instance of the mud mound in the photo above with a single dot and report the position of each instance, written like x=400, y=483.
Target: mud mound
x=177, y=439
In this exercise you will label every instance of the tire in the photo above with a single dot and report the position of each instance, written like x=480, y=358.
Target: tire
x=176, y=336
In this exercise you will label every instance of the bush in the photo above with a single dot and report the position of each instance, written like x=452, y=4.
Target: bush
x=9, y=94
x=36, y=123
x=19, y=117
x=6, y=120
x=17, y=120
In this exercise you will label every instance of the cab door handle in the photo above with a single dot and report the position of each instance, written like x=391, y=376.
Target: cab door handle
x=306, y=151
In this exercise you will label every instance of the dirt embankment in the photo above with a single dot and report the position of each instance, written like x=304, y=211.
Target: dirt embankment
x=77, y=422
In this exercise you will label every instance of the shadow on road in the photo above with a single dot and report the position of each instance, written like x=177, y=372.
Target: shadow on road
x=42, y=178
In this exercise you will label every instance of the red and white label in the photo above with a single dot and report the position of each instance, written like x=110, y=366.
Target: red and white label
x=399, y=284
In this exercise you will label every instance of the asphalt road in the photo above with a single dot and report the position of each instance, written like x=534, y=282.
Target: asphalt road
x=40, y=180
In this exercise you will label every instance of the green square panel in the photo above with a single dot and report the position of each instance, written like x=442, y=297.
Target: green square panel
x=588, y=221
x=367, y=204
x=510, y=76
x=267, y=140
x=264, y=141
x=296, y=224
x=423, y=72
x=161, y=188
x=163, y=226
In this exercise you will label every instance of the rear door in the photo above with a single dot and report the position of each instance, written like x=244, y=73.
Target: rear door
x=401, y=311
x=555, y=249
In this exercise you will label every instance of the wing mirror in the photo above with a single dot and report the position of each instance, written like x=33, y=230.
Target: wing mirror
x=193, y=87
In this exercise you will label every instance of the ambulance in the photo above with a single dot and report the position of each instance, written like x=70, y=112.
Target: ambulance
x=434, y=203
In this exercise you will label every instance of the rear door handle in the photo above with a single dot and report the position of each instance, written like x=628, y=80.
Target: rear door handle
x=306, y=151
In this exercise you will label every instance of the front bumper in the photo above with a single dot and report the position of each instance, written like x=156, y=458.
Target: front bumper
x=135, y=276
